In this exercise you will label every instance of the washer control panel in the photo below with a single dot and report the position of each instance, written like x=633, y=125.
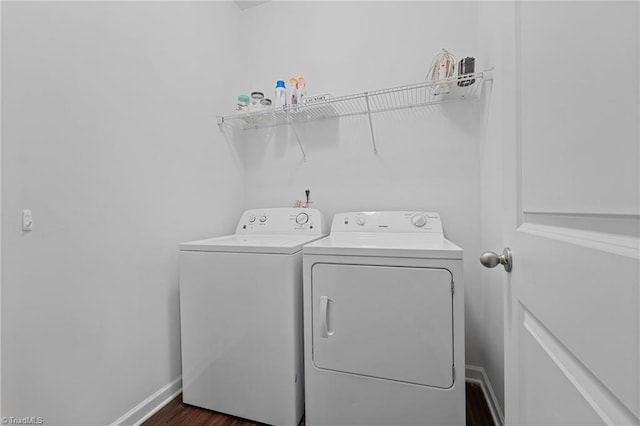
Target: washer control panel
x=387, y=221
x=281, y=221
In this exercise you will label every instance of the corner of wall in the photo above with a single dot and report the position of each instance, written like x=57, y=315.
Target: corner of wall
x=151, y=405
x=479, y=376
x=0, y=211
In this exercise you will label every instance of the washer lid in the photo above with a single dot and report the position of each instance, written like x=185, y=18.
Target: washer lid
x=424, y=246
x=268, y=244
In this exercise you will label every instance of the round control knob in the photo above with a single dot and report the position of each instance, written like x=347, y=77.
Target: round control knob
x=263, y=218
x=302, y=218
x=252, y=218
x=419, y=220
x=360, y=220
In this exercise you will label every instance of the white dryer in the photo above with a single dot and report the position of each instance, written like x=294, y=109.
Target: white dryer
x=241, y=316
x=384, y=323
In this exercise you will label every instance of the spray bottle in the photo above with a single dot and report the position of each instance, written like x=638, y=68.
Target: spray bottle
x=302, y=90
x=292, y=92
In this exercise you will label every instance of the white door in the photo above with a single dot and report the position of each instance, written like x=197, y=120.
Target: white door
x=572, y=342
x=389, y=322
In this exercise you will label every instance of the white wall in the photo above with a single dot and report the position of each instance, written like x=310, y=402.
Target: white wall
x=428, y=159
x=109, y=136
x=497, y=45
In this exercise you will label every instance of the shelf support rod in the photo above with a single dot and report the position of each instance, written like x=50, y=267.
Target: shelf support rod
x=295, y=133
x=373, y=136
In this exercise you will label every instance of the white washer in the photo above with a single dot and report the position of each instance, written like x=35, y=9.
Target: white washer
x=241, y=316
x=384, y=323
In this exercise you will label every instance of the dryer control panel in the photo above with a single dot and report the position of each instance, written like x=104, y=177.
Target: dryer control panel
x=282, y=221
x=387, y=221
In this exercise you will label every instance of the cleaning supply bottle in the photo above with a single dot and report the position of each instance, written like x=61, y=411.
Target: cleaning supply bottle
x=302, y=90
x=280, y=99
x=292, y=92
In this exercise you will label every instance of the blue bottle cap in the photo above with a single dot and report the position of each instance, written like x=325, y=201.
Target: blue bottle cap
x=279, y=83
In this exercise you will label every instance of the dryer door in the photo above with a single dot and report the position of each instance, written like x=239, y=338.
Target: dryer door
x=388, y=322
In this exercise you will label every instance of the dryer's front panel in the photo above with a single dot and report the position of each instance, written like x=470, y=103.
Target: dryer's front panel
x=388, y=322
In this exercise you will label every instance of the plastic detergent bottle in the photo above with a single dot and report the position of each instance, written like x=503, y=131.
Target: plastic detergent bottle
x=292, y=92
x=280, y=99
x=302, y=90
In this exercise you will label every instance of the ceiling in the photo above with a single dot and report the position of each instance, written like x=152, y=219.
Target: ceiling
x=246, y=4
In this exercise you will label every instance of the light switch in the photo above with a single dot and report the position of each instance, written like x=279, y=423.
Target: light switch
x=27, y=220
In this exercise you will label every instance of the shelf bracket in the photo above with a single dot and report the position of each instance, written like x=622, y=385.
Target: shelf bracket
x=373, y=136
x=488, y=74
x=295, y=133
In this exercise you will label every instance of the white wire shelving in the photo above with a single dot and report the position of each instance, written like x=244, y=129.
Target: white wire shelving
x=422, y=94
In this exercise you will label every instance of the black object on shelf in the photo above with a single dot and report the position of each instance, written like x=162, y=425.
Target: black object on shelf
x=466, y=66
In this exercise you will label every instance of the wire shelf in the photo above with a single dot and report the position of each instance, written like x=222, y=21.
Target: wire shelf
x=410, y=96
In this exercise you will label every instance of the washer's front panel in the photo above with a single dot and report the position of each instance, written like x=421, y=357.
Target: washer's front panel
x=241, y=334
x=386, y=322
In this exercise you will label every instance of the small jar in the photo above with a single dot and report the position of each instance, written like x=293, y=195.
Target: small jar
x=243, y=104
x=265, y=103
x=256, y=99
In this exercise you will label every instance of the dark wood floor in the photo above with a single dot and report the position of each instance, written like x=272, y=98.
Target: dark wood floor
x=478, y=413
x=177, y=413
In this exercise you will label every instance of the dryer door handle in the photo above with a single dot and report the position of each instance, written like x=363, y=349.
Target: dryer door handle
x=325, y=329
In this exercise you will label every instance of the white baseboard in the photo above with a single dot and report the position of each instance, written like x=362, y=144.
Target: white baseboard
x=151, y=404
x=478, y=375
x=168, y=392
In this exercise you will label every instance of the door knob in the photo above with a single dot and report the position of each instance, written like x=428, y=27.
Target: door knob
x=490, y=259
